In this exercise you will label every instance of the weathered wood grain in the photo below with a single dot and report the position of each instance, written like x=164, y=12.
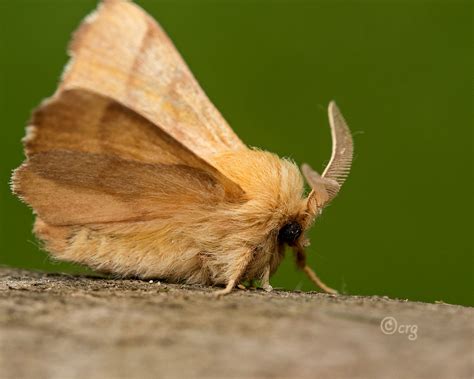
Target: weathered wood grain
x=61, y=326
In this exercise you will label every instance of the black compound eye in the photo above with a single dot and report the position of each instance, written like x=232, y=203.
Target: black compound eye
x=290, y=232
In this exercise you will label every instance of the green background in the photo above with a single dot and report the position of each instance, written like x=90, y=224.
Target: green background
x=401, y=71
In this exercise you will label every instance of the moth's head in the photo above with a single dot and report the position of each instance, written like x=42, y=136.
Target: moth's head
x=292, y=228
x=324, y=187
x=290, y=233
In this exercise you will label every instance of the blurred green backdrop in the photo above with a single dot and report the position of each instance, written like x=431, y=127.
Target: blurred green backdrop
x=401, y=71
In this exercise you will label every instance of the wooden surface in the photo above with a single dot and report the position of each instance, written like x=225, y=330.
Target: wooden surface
x=60, y=326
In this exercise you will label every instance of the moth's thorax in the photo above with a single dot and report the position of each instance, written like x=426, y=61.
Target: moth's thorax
x=273, y=197
x=273, y=182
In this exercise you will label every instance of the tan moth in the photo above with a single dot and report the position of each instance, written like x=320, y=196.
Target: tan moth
x=131, y=170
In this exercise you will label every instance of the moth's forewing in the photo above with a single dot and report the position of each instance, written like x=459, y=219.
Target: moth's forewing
x=122, y=53
x=92, y=160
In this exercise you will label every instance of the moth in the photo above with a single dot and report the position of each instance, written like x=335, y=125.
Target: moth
x=131, y=170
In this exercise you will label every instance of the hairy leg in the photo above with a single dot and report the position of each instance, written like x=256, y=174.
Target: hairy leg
x=228, y=288
x=314, y=278
x=300, y=257
x=266, y=279
x=236, y=270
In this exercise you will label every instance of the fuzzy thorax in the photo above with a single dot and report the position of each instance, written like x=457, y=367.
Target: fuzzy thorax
x=197, y=243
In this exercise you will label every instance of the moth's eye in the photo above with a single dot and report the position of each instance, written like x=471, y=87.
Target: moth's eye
x=290, y=232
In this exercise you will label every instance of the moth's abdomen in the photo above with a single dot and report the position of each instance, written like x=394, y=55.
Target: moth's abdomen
x=125, y=250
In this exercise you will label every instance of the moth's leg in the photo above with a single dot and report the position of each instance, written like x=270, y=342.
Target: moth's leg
x=301, y=263
x=266, y=279
x=314, y=278
x=236, y=270
x=205, y=271
x=252, y=284
x=228, y=289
